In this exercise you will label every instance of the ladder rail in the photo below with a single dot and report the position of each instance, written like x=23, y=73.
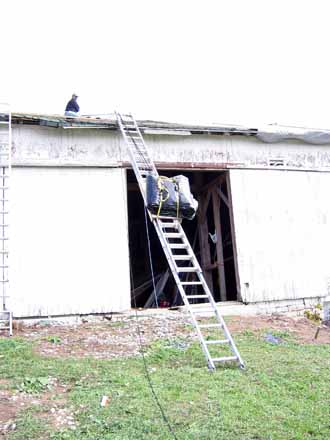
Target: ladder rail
x=144, y=152
x=209, y=296
x=5, y=174
x=183, y=294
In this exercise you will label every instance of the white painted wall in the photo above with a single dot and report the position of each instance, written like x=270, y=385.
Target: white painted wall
x=45, y=146
x=69, y=244
x=282, y=224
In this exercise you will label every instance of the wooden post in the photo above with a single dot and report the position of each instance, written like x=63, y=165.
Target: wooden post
x=219, y=247
x=233, y=236
x=203, y=231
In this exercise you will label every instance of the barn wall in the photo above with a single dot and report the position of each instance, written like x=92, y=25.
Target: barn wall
x=35, y=145
x=69, y=244
x=60, y=209
x=282, y=225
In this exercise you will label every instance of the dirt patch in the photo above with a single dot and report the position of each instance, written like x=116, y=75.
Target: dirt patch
x=50, y=406
x=8, y=411
x=301, y=328
x=118, y=336
x=103, y=338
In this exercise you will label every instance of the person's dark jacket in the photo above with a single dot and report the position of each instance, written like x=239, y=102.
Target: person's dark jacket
x=72, y=106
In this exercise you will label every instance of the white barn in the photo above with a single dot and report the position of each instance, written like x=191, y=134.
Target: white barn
x=77, y=218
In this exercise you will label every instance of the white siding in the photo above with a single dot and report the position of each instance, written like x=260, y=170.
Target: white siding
x=282, y=224
x=44, y=146
x=69, y=246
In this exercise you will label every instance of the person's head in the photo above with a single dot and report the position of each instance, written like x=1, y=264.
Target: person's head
x=74, y=96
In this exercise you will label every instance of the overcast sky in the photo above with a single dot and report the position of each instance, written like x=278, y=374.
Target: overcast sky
x=242, y=62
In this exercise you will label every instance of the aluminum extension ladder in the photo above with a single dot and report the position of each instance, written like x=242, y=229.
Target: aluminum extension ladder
x=179, y=253
x=6, y=317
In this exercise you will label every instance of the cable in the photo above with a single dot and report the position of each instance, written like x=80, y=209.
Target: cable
x=147, y=375
x=150, y=258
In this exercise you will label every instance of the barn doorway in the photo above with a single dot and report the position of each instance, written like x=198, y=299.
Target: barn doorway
x=210, y=234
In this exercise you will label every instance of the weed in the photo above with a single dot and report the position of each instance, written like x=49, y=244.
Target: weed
x=34, y=385
x=54, y=339
x=314, y=315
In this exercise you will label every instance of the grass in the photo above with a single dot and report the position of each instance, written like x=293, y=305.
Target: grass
x=283, y=394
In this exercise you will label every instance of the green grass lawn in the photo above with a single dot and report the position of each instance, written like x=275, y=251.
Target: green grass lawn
x=284, y=393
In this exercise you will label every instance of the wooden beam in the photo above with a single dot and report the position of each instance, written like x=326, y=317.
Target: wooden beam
x=209, y=186
x=233, y=237
x=222, y=196
x=219, y=247
x=203, y=207
x=216, y=264
x=203, y=233
x=158, y=289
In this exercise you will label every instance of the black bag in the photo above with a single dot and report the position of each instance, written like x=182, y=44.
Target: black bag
x=170, y=197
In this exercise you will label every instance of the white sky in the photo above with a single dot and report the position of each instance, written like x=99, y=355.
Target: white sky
x=236, y=61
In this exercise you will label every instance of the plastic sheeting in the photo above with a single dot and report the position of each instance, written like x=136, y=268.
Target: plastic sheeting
x=277, y=133
x=170, y=197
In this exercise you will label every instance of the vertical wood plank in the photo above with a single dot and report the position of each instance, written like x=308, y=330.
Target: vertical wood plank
x=233, y=236
x=203, y=231
x=219, y=247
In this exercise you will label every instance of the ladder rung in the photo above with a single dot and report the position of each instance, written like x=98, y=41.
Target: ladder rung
x=219, y=341
x=173, y=234
x=4, y=281
x=225, y=359
x=196, y=296
x=201, y=310
x=183, y=257
x=178, y=246
x=187, y=269
x=165, y=225
x=209, y=325
x=191, y=283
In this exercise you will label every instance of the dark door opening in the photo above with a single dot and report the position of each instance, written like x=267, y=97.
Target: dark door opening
x=209, y=233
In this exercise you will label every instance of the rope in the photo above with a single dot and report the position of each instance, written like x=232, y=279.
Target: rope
x=150, y=258
x=162, y=188
x=147, y=375
x=145, y=366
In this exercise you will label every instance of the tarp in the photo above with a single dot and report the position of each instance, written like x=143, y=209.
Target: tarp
x=170, y=197
x=277, y=133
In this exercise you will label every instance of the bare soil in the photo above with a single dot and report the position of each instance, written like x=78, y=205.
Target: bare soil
x=119, y=335
x=52, y=406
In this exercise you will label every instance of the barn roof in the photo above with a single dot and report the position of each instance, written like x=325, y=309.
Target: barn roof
x=269, y=133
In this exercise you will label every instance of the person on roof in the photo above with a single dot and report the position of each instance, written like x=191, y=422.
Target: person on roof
x=72, y=107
